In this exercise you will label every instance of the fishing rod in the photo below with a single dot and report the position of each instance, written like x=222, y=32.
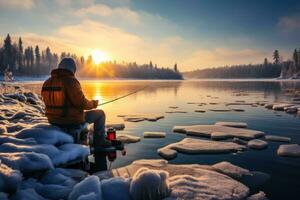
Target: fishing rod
x=121, y=97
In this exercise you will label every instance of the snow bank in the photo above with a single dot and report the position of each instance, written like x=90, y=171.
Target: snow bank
x=11, y=139
x=120, y=188
x=26, y=195
x=26, y=162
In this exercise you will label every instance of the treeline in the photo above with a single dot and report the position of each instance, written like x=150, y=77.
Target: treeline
x=278, y=68
x=32, y=61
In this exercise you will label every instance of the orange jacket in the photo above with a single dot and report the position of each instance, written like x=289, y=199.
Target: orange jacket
x=64, y=99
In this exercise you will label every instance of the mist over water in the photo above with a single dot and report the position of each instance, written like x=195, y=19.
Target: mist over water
x=159, y=95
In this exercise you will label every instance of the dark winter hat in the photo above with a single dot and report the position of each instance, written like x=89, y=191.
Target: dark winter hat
x=68, y=64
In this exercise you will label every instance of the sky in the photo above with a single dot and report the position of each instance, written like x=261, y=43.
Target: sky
x=194, y=34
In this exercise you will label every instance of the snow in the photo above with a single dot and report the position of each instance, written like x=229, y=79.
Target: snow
x=26, y=195
x=154, y=134
x=89, y=188
x=207, y=130
x=220, y=136
x=232, y=124
x=257, y=144
x=280, y=107
x=11, y=139
x=58, y=155
x=26, y=162
x=290, y=150
x=149, y=184
x=3, y=196
x=10, y=179
x=45, y=134
x=189, y=181
x=277, y=138
x=120, y=189
x=198, y=146
x=126, y=138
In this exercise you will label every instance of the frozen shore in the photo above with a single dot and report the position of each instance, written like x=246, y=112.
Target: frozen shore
x=33, y=154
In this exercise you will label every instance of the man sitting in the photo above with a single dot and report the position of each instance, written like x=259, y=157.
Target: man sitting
x=66, y=103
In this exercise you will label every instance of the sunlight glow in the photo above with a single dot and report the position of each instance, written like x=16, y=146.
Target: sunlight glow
x=99, y=56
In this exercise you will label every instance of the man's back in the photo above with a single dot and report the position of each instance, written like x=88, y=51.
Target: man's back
x=64, y=99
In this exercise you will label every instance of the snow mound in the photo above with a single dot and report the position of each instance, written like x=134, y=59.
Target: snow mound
x=26, y=195
x=232, y=124
x=149, y=184
x=290, y=150
x=89, y=188
x=10, y=179
x=11, y=139
x=154, y=134
x=120, y=188
x=231, y=170
x=257, y=144
x=26, y=162
x=277, y=138
x=45, y=134
x=64, y=177
x=198, y=146
x=258, y=196
x=59, y=155
x=126, y=138
x=48, y=191
x=207, y=130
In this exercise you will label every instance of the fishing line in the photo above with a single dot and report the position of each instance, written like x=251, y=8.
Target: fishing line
x=121, y=97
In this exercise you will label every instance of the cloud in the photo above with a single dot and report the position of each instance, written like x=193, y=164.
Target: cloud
x=222, y=56
x=23, y=4
x=289, y=23
x=102, y=10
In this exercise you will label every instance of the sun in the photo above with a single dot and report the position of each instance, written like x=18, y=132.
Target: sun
x=99, y=56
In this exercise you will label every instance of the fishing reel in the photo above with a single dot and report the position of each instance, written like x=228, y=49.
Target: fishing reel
x=117, y=144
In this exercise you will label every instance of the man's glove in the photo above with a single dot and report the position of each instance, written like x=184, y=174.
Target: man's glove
x=95, y=102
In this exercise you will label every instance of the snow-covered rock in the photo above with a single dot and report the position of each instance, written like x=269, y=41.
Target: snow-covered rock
x=290, y=150
x=149, y=184
x=257, y=144
x=277, y=138
x=198, y=146
x=26, y=162
x=207, y=130
x=232, y=124
x=154, y=134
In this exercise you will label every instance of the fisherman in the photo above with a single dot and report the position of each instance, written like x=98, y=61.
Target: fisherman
x=66, y=105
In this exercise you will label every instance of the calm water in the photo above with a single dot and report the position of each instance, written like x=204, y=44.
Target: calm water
x=155, y=99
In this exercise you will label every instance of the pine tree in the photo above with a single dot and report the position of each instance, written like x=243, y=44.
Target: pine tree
x=265, y=62
x=7, y=52
x=20, y=53
x=150, y=64
x=48, y=56
x=276, y=57
x=31, y=57
x=175, y=67
x=296, y=59
x=37, y=55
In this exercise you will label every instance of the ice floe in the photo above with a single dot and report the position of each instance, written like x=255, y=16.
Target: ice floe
x=142, y=117
x=277, y=138
x=126, y=138
x=207, y=130
x=198, y=146
x=154, y=134
x=257, y=144
x=233, y=124
x=289, y=150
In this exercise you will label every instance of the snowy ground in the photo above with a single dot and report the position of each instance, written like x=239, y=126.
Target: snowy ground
x=32, y=153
